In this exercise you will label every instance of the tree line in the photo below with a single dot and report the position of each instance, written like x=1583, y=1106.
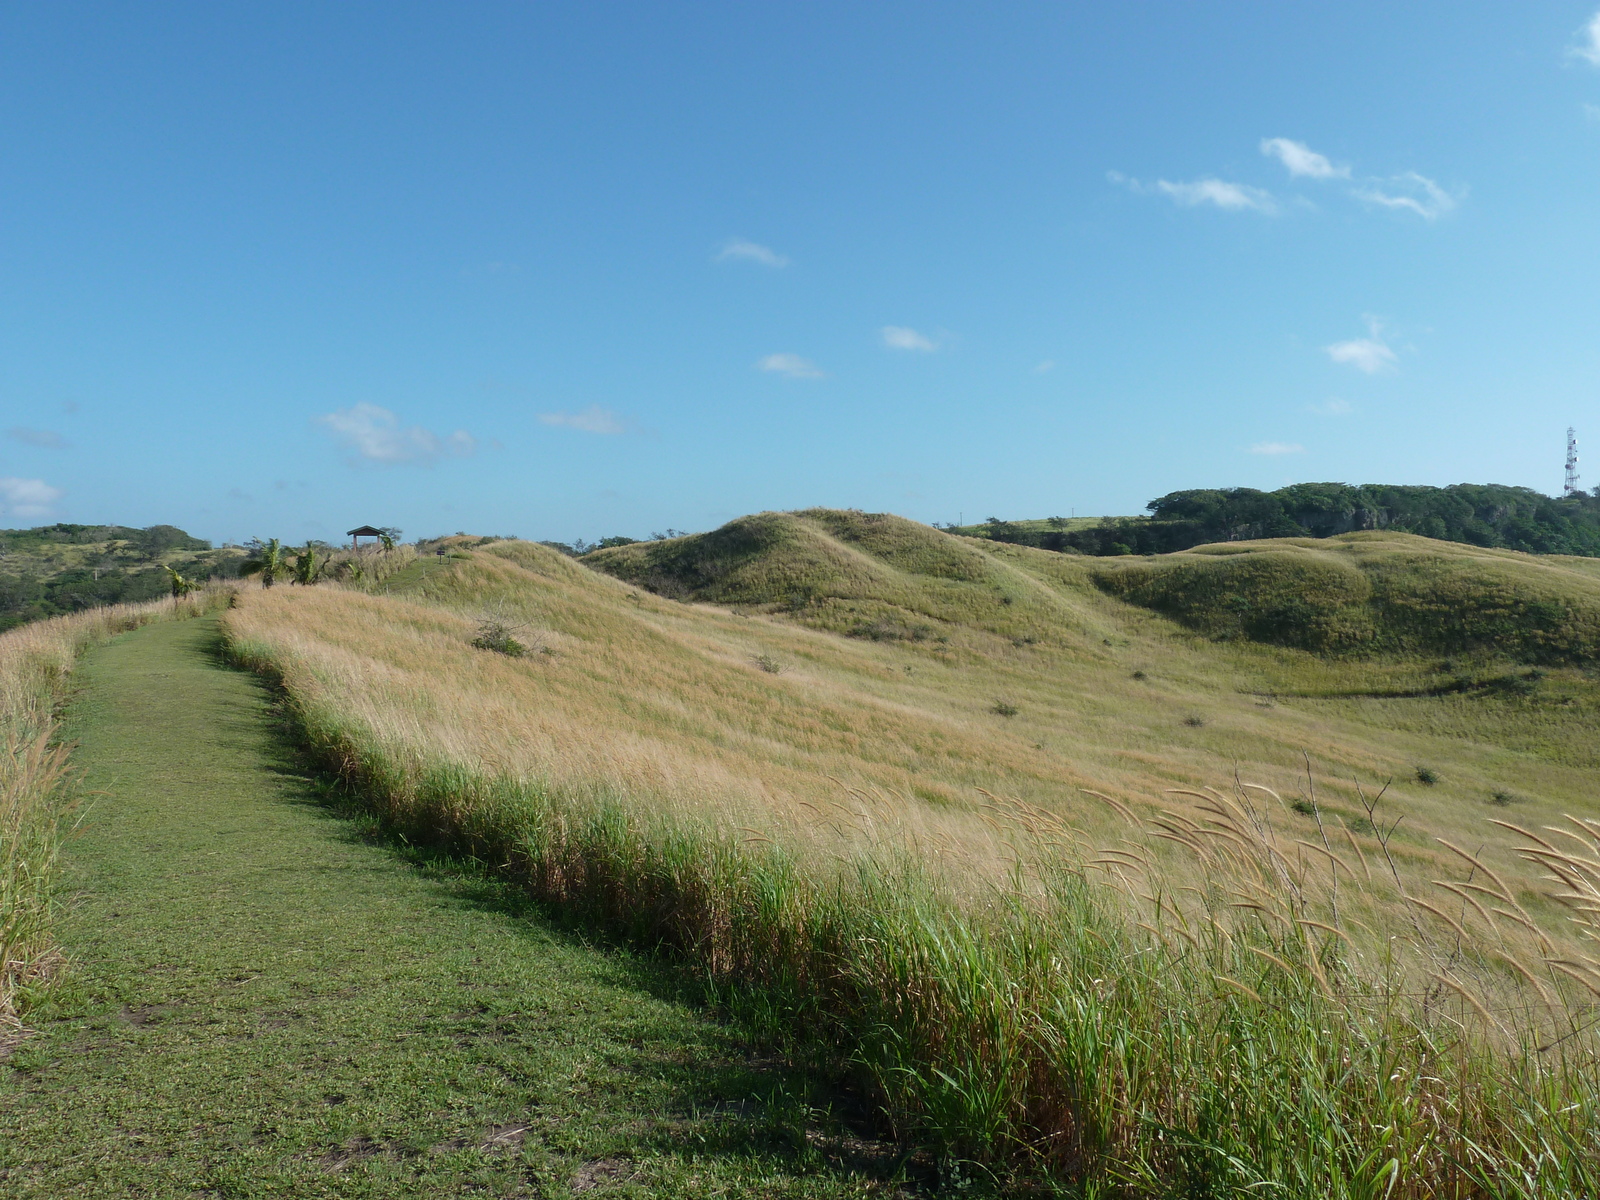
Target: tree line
x=1514, y=518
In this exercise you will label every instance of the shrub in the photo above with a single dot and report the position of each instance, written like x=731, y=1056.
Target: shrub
x=1427, y=775
x=1004, y=708
x=496, y=636
x=768, y=664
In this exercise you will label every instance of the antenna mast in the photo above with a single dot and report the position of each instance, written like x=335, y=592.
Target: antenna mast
x=1570, y=486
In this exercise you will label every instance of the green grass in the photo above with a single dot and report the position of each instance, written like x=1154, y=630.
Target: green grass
x=1368, y=593
x=262, y=1003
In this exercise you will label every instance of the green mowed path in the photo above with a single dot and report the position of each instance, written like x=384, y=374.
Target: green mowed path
x=263, y=1004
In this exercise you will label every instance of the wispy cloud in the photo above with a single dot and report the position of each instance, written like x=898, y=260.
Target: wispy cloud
x=1592, y=111
x=593, y=419
x=1231, y=197
x=27, y=499
x=791, y=365
x=375, y=434
x=1301, y=159
x=1332, y=407
x=46, y=438
x=738, y=249
x=1045, y=367
x=1588, y=47
x=900, y=337
x=1370, y=354
x=1277, y=448
x=1410, y=192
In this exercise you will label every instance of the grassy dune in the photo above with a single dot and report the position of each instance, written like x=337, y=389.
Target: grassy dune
x=851, y=793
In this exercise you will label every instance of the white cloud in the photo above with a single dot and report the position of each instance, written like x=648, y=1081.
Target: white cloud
x=46, y=438
x=1365, y=354
x=1277, y=448
x=1233, y=197
x=1589, y=48
x=1301, y=159
x=1045, y=367
x=27, y=498
x=1333, y=407
x=1410, y=192
x=899, y=337
x=1370, y=354
x=791, y=365
x=739, y=248
x=593, y=419
x=1592, y=111
x=374, y=434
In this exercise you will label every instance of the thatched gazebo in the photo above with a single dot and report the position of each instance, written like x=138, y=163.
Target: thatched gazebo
x=360, y=531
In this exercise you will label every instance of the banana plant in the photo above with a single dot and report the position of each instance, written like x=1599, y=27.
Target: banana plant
x=181, y=586
x=267, y=561
x=306, y=566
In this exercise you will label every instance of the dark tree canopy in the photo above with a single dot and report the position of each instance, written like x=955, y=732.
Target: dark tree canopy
x=1486, y=514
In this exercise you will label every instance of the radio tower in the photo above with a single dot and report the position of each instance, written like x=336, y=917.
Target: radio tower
x=1570, y=487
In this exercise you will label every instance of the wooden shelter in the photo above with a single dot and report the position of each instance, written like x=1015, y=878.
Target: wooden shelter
x=360, y=531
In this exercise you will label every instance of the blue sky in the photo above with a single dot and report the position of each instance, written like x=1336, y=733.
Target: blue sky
x=568, y=270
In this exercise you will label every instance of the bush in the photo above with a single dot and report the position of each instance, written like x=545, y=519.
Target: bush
x=1427, y=775
x=496, y=636
x=1004, y=708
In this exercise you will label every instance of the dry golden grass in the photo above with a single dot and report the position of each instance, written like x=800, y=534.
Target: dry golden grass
x=1270, y=980
x=666, y=703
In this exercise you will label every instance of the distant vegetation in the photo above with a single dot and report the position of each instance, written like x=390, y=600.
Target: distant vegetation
x=58, y=569
x=1493, y=515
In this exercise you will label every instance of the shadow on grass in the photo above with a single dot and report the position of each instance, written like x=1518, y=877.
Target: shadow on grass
x=731, y=1099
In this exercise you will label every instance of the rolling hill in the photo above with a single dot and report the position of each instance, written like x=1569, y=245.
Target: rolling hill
x=910, y=801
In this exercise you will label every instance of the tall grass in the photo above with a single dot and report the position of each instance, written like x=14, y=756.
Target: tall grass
x=1206, y=1004
x=35, y=662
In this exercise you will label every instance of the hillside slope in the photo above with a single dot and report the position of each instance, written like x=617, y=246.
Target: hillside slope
x=878, y=833
x=1374, y=592
x=57, y=569
x=962, y=665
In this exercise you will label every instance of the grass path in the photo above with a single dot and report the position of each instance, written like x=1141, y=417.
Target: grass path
x=261, y=1004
